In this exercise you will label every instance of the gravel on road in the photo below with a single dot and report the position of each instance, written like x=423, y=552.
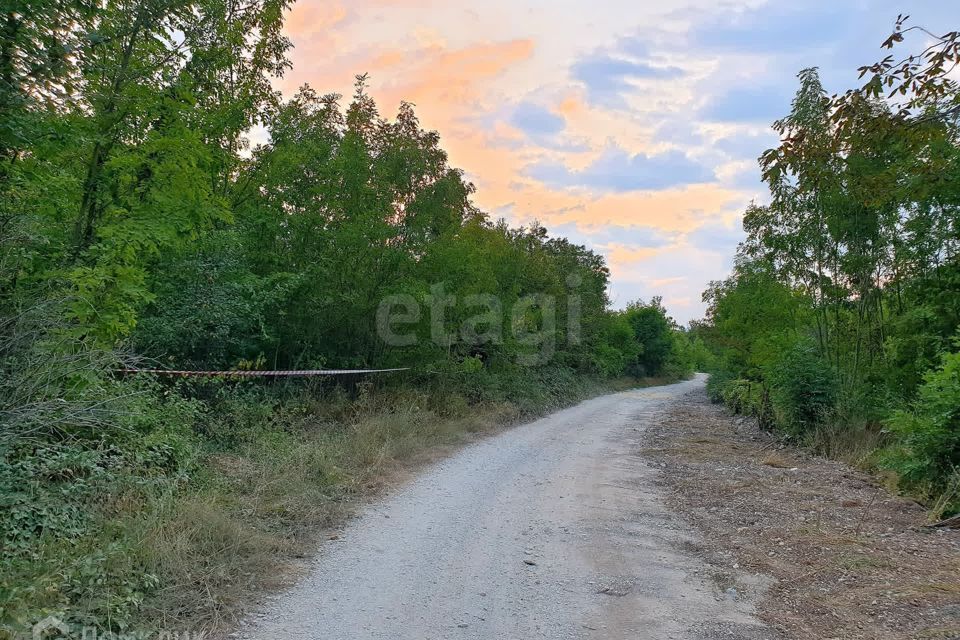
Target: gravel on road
x=554, y=529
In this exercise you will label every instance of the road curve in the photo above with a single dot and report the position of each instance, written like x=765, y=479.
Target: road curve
x=554, y=529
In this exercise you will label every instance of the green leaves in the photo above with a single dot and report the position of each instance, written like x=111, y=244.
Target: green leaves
x=844, y=291
x=803, y=389
x=927, y=449
x=161, y=200
x=653, y=332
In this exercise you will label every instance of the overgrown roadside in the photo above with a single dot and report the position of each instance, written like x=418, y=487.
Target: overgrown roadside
x=250, y=529
x=849, y=559
x=276, y=468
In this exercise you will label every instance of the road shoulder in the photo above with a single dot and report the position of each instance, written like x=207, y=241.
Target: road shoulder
x=847, y=558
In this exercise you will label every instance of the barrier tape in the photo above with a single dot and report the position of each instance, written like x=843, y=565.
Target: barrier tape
x=258, y=374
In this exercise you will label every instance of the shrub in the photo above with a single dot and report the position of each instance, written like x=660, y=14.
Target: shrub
x=803, y=389
x=618, y=348
x=749, y=398
x=716, y=384
x=736, y=395
x=926, y=454
x=654, y=330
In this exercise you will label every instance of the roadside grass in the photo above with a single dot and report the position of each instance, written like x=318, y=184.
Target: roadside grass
x=854, y=442
x=273, y=472
x=777, y=460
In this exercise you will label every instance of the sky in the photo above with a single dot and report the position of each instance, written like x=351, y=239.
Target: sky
x=631, y=127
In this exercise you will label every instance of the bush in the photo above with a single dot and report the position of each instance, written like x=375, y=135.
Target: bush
x=653, y=329
x=926, y=454
x=81, y=451
x=683, y=358
x=62, y=499
x=748, y=398
x=803, y=390
x=716, y=384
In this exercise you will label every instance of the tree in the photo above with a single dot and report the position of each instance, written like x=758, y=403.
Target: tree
x=653, y=330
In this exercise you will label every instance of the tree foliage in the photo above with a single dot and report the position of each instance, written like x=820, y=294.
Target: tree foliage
x=844, y=297
x=138, y=223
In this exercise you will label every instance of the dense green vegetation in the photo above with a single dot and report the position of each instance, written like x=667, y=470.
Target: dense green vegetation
x=138, y=226
x=839, y=325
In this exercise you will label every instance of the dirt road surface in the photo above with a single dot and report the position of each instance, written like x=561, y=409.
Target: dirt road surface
x=554, y=529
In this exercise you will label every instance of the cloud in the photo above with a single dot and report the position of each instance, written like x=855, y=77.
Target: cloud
x=685, y=88
x=434, y=76
x=541, y=126
x=747, y=146
x=599, y=236
x=678, y=209
x=306, y=20
x=745, y=176
x=607, y=77
x=617, y=170
x=535, y=121
x=624, y=255
x=679, y=130
x=636, y=276
x=635, y=46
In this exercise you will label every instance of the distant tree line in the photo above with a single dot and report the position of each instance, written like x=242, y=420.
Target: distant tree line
x=130, y=197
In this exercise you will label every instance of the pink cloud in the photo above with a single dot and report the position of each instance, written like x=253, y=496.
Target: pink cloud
x=308, y=19
x=465, y=81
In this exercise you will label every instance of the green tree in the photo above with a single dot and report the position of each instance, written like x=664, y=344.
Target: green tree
x=653, y=330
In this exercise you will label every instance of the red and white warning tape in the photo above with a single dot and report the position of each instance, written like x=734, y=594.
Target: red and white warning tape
x=258, y=374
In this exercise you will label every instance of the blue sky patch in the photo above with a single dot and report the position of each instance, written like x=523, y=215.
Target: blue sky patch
x=616, y=170
x=535, y=120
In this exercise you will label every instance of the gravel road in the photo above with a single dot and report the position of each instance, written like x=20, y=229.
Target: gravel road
x=553, y=529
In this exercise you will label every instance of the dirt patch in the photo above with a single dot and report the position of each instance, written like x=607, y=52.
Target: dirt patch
x=848, y=559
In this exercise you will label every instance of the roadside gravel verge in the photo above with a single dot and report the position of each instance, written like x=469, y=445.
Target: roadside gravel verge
x=848, y=560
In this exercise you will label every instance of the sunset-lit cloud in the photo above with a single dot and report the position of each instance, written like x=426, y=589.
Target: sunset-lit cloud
x=632, y=128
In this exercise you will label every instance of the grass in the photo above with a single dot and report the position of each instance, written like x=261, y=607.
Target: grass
x=777, y=461
x=261, y=508
x=272, y=474
x=850, y=441
x=858, y=562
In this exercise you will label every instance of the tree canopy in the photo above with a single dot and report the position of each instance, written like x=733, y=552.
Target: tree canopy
x=842, y=313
